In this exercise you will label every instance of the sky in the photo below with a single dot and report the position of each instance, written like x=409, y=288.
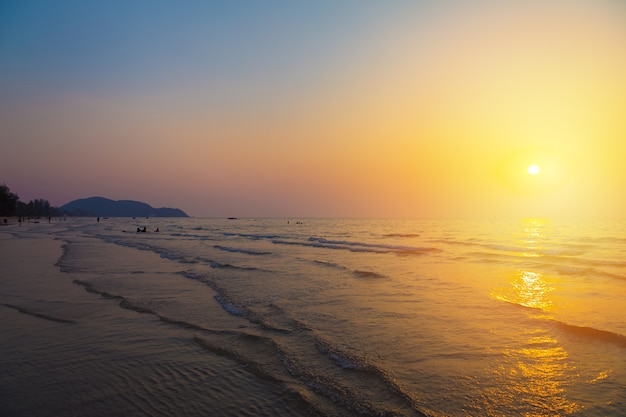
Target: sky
x=351, y=108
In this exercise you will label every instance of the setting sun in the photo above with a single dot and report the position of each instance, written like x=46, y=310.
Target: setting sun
x=533, y=170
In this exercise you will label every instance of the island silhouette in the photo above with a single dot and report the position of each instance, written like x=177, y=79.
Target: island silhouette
x=101, y=206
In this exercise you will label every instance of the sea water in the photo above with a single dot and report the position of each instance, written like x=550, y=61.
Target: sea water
x=326, y=317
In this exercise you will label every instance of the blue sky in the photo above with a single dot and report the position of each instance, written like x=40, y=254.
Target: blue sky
x=135, y=44
x=321, y=108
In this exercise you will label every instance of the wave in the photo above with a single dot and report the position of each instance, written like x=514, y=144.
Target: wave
x=163, y=253
x=137, y=306
x=591, y=333
x=581, y=261
x=65, y=249
x=221, y=297
x=407, y=235
x=331, y=381
x=359, y=246
x=328, y=377
x=341, y=358
x=611, y=275
x=36, y=314
x=328, y=264
x=191, y=236
x=184, y=259
x=264, y=346
x=239, y=250
x=358, y=388
x=355, y=389
x=516, y=303
x=564, y=250
x=252, y=235
x=273, y=318
x=572, y=329
x=90, y=288
x=560, y=265
x=609, y=239
x=228, y=306
x=367, y=274
x=363, y=378
x=374, y=246
x=217, y=265
x=529, y=250
x=177, y=258
x=586, y=272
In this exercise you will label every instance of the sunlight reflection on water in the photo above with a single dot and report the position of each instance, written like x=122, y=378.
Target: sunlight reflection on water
x=537, y=375
x=528, y=289
x=533, y=291
x=533, y=378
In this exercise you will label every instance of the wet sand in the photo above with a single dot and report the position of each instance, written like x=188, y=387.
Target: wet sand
x=67, y=351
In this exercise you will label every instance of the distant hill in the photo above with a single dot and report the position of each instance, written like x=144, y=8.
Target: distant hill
x=100, y=206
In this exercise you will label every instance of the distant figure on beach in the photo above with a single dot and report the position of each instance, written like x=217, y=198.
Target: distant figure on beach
x=138, y=230
x=98, y=219
x=5, y=221
x=144, y=229
x=157, y=229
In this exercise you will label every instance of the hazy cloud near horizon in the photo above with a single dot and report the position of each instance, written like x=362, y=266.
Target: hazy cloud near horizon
x=351, y=108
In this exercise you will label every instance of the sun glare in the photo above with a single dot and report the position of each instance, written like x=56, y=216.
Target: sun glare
x=533, y=170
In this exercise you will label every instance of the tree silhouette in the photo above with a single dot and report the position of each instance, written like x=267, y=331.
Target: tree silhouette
x=8, y=201
x=10, y=205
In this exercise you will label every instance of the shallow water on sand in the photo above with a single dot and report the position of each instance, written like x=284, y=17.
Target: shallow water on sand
x=68, y=352
x=324, y=316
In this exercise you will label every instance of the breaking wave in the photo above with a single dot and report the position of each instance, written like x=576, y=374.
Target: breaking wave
x=359, y=246
x=239, y=250
x=590, y=333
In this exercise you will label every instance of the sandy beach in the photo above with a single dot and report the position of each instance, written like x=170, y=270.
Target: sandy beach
x=65, y=350
x=32, y=283
x=329, y=317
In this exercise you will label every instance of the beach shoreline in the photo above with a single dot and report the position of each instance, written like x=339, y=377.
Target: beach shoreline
x=335, y=317
x=65, y=350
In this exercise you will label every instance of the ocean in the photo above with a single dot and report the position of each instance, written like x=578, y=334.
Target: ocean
x=322, y=317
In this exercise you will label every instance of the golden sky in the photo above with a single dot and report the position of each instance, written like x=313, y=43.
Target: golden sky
x=356, y=108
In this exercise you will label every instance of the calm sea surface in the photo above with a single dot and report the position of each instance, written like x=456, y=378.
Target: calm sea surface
x=318, y=317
